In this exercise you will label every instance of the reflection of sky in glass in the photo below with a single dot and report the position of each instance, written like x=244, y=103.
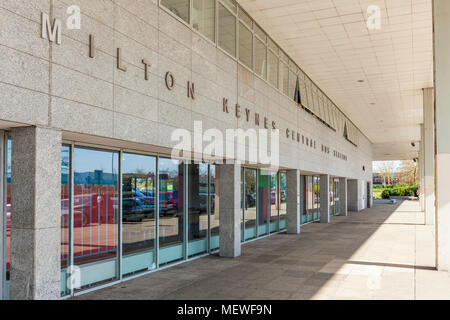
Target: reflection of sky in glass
x=133, y=163
x=65, y=162
x=8, y=161
x=95, y=166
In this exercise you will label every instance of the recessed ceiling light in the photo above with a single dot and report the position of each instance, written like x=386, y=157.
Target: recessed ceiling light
x=372, y=103
x=360, y=81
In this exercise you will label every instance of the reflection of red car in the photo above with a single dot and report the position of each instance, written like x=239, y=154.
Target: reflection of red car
x=90, y=208
x=168, y=202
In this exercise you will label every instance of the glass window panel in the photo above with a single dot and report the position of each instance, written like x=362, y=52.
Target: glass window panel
x=272, y=68
x=310, y=95
x=303, y=89
x=8, y=210
x=215, y=213
x=260, y=58
x=65, y=205
x=245, y=18
x=292, y=65
x=316, y=200
x=203, y=17
x=250, y=204
x=178, y=7
x=283, y=56
x=303, y=190
x=138, y=204
x=263, y=202
x=272, y=45
x=310, y=198
x=171, y=228
x=198, y=208
x=245, y=45
x=284, y=78
x=273, y=203
x=227, y=31
x=260, y=33
x=282, y=195
x=96, y=191
x=230, y=4
x=292, y=84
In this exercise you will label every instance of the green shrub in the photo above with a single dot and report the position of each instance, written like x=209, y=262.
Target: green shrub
x=386, y=194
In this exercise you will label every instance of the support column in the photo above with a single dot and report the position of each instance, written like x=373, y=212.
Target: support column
x=343, y=196
x=230, y=210
x=428, y=155
x=370, y=195
x=353, y=196
x=441, y=21
x=293, y=201
x=36, y=214
x=421, y=170
x=324, y=198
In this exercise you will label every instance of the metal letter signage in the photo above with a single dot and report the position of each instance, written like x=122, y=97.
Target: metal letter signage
x=147, y=66
x=170, y=80
x=119, y=60
x=50, y=31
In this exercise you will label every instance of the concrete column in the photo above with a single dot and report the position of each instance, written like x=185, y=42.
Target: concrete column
x=2, y=214
x=353, y=195
x=343, y=196
x=293, y=201
x=36, y=213
x=370, y=194
x=230, y=210
x=441, y=21
x=428, y=155
x=324, y=198
x=421, y=170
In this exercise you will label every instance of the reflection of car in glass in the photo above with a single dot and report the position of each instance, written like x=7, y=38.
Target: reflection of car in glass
x=90, y=208
x=168, y=202
x=136, y=209
x=250, y=201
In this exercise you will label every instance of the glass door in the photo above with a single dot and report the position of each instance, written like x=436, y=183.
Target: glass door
x=214, y=219
x=263, y=203
x=250, y=201
x=198, y=213
x=282, y=197
x=274, y=203
x=316, y=205
x=310, y=198
x=304, y=199
x=337, y=203
x=332, y=198
x=95, y=215
x=138, y=213
x=171, y=211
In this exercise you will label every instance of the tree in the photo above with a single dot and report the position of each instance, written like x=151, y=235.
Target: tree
x=408, y=168
x=387, y=169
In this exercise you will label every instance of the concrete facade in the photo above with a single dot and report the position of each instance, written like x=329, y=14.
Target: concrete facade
x=36, y=214
x=324, y=198
x=442, y=114
x=293, y=202
x=428, y=155
x=230, y=209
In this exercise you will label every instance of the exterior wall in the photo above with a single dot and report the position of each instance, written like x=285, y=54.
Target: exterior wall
x=59, y=86
x=441, y=21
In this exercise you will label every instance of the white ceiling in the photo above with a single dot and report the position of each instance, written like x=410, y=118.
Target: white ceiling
x=330, y=41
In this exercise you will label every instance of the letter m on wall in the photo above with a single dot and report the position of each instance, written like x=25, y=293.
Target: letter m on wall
x=50, y=31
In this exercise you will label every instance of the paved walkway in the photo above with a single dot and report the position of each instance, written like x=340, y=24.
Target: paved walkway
x=381, y=253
